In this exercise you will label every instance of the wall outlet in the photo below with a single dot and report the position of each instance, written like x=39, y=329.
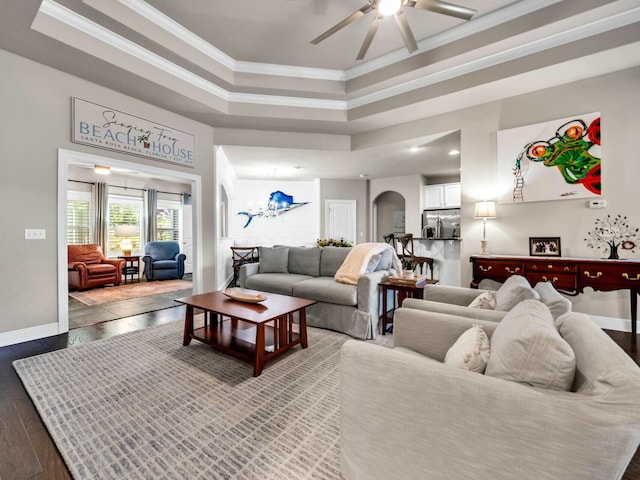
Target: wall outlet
x=35, y=233
x=601, y=203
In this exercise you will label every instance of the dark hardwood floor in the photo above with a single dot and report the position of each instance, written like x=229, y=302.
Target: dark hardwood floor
x=26, y=449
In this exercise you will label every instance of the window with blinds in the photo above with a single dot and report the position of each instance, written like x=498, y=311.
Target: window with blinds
x=78, y=222
x=78, y=218
x=168, y=220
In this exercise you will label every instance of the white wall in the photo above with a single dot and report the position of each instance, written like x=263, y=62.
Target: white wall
x=36, y=101
x=299, y=226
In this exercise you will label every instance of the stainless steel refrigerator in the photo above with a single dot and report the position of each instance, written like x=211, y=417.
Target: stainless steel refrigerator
x=441, y=224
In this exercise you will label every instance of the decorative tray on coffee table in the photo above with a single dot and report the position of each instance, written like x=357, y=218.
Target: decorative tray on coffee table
x=241, y=295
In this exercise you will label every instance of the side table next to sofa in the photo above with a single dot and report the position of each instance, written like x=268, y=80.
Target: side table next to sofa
x=401, y=288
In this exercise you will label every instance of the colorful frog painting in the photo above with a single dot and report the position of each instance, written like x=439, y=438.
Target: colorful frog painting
x=570, y=150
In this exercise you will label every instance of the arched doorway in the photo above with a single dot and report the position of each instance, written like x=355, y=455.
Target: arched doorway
x=389, y=214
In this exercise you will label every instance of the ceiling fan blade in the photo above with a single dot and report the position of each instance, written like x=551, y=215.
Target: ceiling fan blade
x=445, y=8
x=405, y=31
x=370, y=34
x=351, y=18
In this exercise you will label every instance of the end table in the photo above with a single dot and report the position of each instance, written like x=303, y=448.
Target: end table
x=402, y=288
x=131, y=267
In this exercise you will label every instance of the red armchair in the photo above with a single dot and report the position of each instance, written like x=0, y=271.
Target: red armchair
x=88, y=268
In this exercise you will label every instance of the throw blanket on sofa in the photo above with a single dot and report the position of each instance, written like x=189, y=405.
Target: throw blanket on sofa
x=364, y=258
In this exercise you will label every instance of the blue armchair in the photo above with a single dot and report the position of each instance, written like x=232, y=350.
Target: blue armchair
x=163, y=260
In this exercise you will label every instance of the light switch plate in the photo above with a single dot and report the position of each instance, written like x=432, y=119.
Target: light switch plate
x=601, y=203
x=35, y=233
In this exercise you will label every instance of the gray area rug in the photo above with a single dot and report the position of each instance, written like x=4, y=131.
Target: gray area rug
x=142, y=406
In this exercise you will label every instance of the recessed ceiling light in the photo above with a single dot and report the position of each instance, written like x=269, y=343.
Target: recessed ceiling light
x=363, y=175
x=415, y=149
x=454, y=152
x=101, y=169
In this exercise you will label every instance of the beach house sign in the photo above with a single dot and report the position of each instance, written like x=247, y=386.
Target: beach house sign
x=105, y=127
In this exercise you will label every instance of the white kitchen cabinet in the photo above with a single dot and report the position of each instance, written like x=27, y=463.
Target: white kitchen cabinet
x=446, y=195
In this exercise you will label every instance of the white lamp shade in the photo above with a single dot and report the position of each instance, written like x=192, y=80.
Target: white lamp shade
x=126, y=244
x=126, y=231
x=485, y=209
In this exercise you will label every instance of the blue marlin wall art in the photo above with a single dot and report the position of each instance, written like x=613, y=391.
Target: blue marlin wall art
x=279, y=203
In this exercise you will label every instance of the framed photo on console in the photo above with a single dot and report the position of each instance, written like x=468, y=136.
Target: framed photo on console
x=544, y=246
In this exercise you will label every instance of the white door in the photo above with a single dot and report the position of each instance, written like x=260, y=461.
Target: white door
x=340, y=219
x=187, y=237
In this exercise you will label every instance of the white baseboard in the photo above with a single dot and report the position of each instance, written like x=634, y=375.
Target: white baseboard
x=611, y=323
x=28, y=334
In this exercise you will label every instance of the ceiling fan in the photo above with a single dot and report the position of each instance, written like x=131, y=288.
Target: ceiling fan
x=386, y=8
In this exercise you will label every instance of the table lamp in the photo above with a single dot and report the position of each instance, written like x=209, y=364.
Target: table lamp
x=484, y=210
x=126, y=231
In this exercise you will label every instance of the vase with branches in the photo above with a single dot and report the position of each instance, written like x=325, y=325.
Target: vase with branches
x=611, y=232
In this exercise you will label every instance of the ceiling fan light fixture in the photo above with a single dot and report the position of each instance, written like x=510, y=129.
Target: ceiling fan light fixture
x=389, y=7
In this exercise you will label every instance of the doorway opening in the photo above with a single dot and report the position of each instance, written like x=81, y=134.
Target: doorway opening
x=66, y=159
x=389, y=209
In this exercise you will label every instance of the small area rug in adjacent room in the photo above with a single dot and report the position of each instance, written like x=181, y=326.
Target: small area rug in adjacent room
x=140, y=406
x=99, y=296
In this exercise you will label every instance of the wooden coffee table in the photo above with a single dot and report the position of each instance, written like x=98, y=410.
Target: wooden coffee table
x=246, y=333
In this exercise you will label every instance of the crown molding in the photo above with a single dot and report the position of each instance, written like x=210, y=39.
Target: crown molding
x=492, y=19
x=562, y=38
x=463, y=30
x=74, y=20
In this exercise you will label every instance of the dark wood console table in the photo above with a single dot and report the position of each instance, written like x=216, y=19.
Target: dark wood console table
x=568, y=275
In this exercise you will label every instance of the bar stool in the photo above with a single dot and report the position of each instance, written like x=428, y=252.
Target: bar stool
x=409, y=260
x=240, y=256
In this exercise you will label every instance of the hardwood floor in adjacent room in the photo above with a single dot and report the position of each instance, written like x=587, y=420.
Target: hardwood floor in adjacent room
x=26, y=449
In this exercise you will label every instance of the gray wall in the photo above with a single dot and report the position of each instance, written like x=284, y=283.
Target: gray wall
x=409, y=187
x=346, y=190
x=617, y=97
x=36, y=121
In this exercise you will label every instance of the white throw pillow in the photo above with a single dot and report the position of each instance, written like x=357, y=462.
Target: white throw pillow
x=471, y=350
x=513, y=291
x=485, y=301
x=526, y=347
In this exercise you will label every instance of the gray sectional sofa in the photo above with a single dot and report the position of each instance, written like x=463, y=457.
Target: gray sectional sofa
x=308, y=272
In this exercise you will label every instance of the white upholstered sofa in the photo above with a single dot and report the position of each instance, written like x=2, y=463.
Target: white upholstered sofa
x=406, y=415
x=456, y=300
